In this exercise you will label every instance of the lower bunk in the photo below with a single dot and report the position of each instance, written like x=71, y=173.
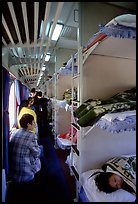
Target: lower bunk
x=100, y=144
x=89, y=191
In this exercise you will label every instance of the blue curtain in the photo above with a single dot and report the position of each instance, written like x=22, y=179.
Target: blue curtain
x=27, y=92
x=24, y=92
x=5, y=125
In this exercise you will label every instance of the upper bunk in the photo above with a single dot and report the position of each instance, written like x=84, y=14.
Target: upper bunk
x=109, y=59
x=113, y=39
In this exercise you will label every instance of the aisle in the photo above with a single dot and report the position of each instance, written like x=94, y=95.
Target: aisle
x=58, y=186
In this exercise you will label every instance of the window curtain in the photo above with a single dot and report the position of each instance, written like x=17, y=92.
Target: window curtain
x=5, y=124
x=18, y=97
x=24, y=92
x=12, y=106
x=27, y=92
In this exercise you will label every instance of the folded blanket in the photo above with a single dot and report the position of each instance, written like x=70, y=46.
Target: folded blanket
x=98, y=111
x=91, y=110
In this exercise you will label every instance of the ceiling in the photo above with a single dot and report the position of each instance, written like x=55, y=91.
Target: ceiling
x=128, y=5
x=25, y=43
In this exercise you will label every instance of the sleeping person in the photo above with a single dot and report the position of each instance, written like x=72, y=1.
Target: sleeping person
x=109, y=182
x=118, y=173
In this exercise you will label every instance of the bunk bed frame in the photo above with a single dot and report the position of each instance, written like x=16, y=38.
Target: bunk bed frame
x=107, y=68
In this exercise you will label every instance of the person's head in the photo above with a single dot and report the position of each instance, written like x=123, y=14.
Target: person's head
x=24, y=103
x=30, y=101
x=33, y=92
x=27, y=121
x=39, y=94
x=108, y=182
x=115, y=181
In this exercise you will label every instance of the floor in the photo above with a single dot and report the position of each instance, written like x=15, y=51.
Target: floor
x=62, y=155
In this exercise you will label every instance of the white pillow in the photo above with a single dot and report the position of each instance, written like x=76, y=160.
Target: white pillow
x=94, y=194
x=125, y=20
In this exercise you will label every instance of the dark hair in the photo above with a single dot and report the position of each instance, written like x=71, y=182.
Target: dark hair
x=102, y=182
x=33, y=90
x=24, y=103
x=39, y=93
x=30, y=99
x=25, y=119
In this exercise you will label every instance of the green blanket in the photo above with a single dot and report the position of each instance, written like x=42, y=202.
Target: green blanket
x=90, y=111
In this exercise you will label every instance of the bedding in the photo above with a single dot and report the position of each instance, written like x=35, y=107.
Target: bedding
x=61, y=103
x=128, y=20
x=63, y=71
x=120, y=116
x=64, y=143
x=67, y=70
x=94, y=195
x=118, y=122
x=90, y=112
x=124, y=166
x=69, y=63
x=123, y=26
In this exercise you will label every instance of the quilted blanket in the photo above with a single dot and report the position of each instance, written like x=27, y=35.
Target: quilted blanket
x=90, y=111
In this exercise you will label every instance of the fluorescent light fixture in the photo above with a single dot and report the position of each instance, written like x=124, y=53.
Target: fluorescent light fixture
x=57, y=31
x=47, y=58
x=41, y=29
x=41, y=74
x=43, y=68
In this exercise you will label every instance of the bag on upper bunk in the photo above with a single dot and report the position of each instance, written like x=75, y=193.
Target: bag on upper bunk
x=124, y=166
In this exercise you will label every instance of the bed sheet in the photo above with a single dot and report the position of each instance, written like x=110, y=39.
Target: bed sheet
x=64, y=143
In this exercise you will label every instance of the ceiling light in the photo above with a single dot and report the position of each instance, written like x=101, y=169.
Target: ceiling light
x=41, y=74
x=43, y=68
x=41, y=28
x=57, y=31
x=47, y=58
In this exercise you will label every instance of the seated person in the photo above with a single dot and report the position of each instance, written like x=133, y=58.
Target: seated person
x=24, y=151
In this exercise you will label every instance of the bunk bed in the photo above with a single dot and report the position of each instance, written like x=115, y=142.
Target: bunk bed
x=109, y=68
x=50, y=87
x=62, y=107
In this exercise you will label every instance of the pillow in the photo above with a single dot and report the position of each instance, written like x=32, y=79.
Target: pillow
x=94, y=195
x=125, y=20
x=124, y=166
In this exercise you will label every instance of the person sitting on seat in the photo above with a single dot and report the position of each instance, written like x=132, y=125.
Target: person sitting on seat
x=24, y=151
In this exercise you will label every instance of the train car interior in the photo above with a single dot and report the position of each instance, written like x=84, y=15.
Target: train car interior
x=57, y=48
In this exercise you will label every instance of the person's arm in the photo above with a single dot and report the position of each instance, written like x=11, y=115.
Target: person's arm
x=34, y=147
